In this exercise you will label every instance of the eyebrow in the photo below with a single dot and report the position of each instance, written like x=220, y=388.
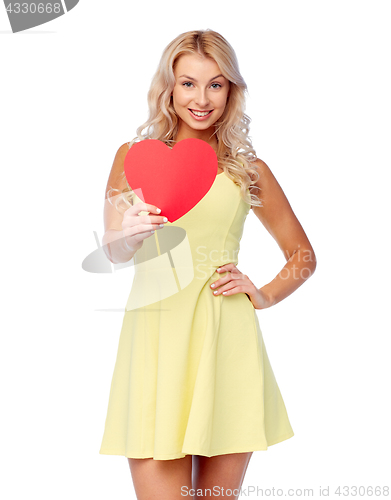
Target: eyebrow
x=194, y=80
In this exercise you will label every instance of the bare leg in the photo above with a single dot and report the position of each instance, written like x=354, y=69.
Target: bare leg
x=218, y=472
x=162, y=479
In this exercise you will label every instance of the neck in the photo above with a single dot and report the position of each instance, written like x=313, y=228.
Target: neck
x=186, y=132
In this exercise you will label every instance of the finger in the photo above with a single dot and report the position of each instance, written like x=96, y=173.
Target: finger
x=133, y=231
x=138, y=238
x=227, y=282
x=147, y=207
x=225, y=267
x=143, y=207
x=226, y=279
x=230, y=288
x=237, y=273
x=151, y=219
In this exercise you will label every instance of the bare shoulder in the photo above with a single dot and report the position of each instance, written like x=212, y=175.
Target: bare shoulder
x=266, y=182
x=275, y=205
x=276, y=214
x=262, y=168
x=116, y=178
x=119, y=159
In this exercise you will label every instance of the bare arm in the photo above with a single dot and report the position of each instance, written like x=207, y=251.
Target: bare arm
x=113, y=241
x=280, y=221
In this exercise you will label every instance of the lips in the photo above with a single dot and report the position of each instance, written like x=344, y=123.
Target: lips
x=199, y=111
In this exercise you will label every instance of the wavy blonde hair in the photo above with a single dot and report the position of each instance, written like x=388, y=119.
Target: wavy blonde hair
x=235, y=152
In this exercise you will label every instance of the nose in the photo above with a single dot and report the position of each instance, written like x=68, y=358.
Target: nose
x=202, y=99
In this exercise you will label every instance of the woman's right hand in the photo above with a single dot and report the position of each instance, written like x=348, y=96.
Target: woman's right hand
x=136, y=228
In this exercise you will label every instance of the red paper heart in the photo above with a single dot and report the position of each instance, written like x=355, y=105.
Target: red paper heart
x=174, y=180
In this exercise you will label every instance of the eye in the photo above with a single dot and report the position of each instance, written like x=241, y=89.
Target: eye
x=216, y=84
x=185, y=84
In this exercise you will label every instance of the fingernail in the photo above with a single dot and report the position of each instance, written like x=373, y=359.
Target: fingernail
x=158, y=210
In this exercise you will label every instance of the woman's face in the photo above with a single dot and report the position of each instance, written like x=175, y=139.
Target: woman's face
x=200, y=92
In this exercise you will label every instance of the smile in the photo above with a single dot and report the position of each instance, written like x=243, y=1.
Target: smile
x=200, y=115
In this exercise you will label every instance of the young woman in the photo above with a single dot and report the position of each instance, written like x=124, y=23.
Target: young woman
x=193, y=393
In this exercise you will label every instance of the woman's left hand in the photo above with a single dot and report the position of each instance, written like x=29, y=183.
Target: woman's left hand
x=235, y=282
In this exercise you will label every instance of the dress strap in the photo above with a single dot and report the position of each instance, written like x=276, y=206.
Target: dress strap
x=129, y=144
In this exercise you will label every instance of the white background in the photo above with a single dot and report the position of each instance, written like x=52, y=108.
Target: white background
x=72, y=91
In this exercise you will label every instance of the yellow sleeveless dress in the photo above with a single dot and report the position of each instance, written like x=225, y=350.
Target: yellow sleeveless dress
x=192, y=375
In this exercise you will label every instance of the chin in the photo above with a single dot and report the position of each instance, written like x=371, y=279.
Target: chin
x=198, y=125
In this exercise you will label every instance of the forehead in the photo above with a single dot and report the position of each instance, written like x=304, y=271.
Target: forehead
x=195, y=63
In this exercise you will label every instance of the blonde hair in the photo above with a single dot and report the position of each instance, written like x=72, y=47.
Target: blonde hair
x=235, y=152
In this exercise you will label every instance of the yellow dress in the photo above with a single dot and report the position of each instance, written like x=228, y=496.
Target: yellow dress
x=192, y=375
